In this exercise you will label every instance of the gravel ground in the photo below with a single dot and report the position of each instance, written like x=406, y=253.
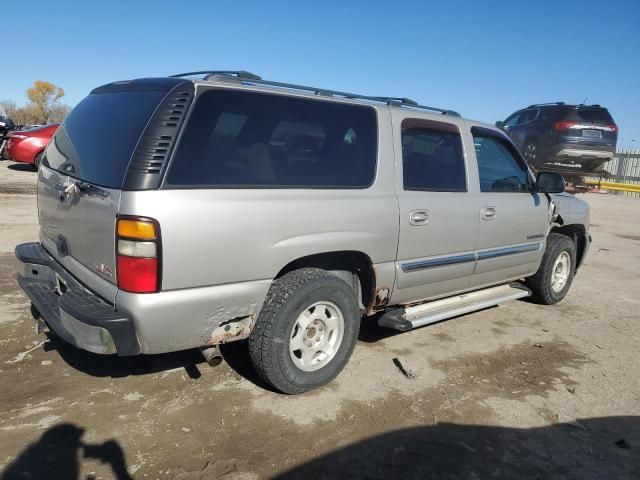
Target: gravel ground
x=517, y=391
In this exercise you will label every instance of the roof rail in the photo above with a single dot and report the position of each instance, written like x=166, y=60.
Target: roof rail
x=241, y=74
x=544, y=104
x=251, y=78
x=395, y=101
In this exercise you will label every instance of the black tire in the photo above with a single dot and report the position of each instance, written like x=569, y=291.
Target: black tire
x=288, y=297
x=541, y=282
x=38, y=159
x=531, y=153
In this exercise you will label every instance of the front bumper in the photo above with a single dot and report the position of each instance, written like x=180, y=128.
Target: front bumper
x=77, y=315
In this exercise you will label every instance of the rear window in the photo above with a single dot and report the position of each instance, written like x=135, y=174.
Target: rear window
x=587, y=114
x=97, y=139
x=256, y=140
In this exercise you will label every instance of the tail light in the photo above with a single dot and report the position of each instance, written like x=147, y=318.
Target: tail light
x=138, y=254
x=613, y=127
x=564, y=125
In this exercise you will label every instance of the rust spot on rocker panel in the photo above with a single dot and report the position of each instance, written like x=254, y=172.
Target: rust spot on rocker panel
x=380, y=299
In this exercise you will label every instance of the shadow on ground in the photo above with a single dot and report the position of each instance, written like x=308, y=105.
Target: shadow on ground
x=22, y=167
x=58, y=454
x=595, y=448
x=117, y=367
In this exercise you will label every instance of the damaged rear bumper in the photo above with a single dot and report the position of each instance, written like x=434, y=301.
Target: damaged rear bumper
x=75, y=314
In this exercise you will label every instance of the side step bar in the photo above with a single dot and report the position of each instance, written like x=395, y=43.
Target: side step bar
x=419, y=315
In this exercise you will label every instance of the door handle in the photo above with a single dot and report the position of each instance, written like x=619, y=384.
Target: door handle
x=419, y=217
x=488, y=213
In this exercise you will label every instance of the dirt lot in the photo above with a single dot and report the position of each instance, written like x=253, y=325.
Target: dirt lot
x=517, y=391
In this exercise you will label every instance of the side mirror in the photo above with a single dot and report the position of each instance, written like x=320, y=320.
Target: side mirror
x=549, y=182
x=500, y=125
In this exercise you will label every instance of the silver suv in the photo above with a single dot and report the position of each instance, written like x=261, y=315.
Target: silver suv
x=181, y=213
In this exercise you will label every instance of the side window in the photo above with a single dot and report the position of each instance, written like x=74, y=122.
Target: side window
x=512, y=120
x=498, y=166
x=238, y=139
x=528, y=116
x=432, y=157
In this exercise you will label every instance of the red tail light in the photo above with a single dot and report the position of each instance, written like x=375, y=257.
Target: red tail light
x=137, y=275
x=138, y=254
x=564, y=125
x=613, y=127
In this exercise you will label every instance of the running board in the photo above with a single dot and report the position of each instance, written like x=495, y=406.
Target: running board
x=419, y=315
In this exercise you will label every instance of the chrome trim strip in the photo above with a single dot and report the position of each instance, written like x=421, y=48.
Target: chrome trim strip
x=501, y=252
x=470, y=257
x=438, y=262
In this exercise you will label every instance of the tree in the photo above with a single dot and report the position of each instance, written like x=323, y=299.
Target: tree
x=43, y=107
x=44, y=97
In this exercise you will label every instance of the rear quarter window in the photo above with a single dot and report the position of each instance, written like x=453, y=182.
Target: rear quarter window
x=237, y=139
x=96, y=141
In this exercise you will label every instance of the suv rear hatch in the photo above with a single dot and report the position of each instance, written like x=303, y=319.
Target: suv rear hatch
x=587, y=126
x=83, y=172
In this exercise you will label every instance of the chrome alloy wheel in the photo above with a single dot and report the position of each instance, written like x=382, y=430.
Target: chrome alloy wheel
x=560, y=271
x=316, y=336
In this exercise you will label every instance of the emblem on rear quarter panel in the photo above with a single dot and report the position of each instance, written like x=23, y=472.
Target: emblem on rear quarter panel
x=103, y=269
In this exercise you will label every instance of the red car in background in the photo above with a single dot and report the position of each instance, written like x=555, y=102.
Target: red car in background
x=27, y=146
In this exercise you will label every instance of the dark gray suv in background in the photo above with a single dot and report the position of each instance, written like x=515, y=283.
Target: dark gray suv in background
x=574, y=140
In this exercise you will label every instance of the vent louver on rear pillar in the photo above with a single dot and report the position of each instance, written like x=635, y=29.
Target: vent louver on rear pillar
x=152, y=153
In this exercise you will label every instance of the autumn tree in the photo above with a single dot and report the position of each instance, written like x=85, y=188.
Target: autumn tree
x=44, y=97
x=44, y=105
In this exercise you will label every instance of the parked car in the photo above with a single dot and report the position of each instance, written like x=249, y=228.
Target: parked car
x=231, y=207
x=573, y=140
x=27, y=145
x=6, y=125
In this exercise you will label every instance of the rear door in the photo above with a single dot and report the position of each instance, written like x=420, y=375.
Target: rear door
x=438, y=213
x=513, y=219
x=80, y=182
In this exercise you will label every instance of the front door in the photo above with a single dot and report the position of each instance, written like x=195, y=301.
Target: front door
x=438, y=214
x=514, y=219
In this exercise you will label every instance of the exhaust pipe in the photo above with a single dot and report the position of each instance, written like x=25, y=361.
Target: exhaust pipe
x=212, y=355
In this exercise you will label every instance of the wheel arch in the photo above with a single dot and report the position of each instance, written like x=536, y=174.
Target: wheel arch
x=354, y=267
x=576, y=232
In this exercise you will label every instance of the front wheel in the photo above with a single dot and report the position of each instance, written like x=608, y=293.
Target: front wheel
x=552, y=281
x=530, y=153
x=306, y=331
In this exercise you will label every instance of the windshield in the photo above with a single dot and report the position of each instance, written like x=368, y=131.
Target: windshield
x=97, y=139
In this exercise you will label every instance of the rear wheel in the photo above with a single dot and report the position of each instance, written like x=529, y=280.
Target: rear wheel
x=306, y=331
x=552, y=281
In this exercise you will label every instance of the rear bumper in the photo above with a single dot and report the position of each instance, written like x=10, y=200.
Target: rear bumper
x=77, y=315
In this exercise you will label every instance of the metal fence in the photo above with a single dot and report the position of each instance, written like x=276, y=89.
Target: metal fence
x=623, y=169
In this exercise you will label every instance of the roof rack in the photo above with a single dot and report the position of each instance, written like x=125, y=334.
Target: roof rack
x=251, y=78
x=241, y=74
x=544, y=104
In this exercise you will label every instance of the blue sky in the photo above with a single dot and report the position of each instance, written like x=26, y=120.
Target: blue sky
x=484, y=59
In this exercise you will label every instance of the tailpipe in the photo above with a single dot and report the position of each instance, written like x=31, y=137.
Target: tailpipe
x=212, y=355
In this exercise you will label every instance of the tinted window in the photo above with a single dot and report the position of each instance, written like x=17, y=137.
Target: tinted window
x=512, y=120
x=432, y=159
x=248, y=139
x=499, y=169
x=97, y=139
x=587, y=114
x=528, y=116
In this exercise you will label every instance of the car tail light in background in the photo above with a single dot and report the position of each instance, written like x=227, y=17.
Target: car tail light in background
x=613, y=127
x=138, y=254
x=564, y=125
